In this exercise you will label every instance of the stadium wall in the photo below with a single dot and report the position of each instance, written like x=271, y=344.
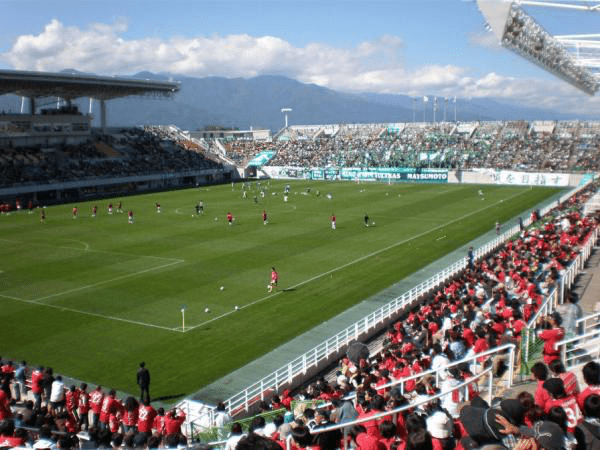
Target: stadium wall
x=411, y=175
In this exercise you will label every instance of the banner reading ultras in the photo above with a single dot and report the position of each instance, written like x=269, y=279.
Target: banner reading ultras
x=387, y=174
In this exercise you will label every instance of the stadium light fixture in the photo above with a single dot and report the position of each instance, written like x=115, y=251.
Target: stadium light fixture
x=519, y=32
x=285, y=111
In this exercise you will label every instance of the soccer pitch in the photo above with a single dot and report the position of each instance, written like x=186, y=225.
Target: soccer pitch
x=92, y=297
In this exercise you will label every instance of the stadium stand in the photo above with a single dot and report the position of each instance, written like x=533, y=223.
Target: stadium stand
x=112, y=154
x=548, y=146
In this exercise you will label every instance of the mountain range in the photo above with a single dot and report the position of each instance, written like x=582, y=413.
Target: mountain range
x=257, y=102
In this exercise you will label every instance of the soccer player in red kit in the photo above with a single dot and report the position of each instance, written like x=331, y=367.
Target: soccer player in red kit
x=230, y=218
x=130, y=215
x=274, y=279
x=94, y=210
x=264, y=217
x=75, y=212
x=332, y=218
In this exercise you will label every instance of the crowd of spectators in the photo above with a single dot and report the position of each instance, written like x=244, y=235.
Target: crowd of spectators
x=561, y=146
x=127, y=152
x=37, y=409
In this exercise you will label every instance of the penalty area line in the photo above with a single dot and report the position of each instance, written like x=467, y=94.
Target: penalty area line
x=86, y=313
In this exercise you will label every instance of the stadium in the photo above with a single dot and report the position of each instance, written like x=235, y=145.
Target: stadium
x=365, y=285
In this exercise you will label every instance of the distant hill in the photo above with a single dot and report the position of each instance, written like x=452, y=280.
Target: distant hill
x=257, y=102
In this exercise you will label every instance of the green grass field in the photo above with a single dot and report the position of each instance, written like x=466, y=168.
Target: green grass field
x=93, y=297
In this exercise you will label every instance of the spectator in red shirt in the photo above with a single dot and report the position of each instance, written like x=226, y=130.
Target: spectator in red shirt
x=72, y=401
x=129, y=418
x=159, y=422
x=558, y=397
x=110, y=406
x=146, y=417
x=96, y=400
x=173, y=422
x=83, y=407
x=551, y=334
x=591, y=376
x=539, y=372
x=5, y=411
x=569, y=378
x=37, y=388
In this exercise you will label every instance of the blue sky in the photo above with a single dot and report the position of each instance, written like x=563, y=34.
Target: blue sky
x=412, y=47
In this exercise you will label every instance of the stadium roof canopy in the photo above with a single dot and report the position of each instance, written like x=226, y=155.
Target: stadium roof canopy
x=574, y=58
x=70, y=86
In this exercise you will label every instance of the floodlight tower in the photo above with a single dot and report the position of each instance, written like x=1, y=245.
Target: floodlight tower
x=285, y=111
x=573, y=58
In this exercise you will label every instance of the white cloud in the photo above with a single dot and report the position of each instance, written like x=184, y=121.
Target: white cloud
x=373, y=66
x=487, y=40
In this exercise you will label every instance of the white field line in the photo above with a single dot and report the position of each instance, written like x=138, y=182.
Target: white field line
x=343, y=266
x=88, y=249
x=100, y=283
x=86, y=313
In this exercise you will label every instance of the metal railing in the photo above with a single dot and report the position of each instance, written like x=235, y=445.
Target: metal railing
x=508, y=351
x=581, y=348
x=391, y=414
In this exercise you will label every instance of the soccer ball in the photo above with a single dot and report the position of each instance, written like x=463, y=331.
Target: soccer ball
x=222, y=287
x=206, y=310
x=237, y=307
x=373, y=223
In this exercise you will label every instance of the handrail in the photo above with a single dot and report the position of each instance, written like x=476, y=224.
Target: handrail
x=393, y=412
x=574, y=346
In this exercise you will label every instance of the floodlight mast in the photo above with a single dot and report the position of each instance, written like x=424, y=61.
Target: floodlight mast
x=519, y=32
x=285, y=111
